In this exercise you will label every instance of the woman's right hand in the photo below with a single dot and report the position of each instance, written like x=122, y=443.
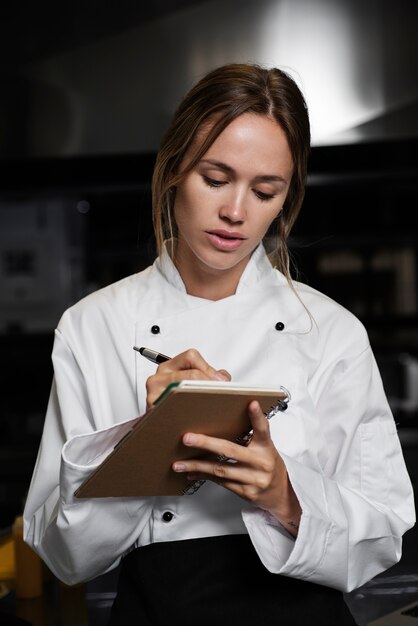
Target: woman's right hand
x=189, y=365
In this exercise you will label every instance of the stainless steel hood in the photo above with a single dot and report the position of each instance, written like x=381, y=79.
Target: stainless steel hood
x=355, y=61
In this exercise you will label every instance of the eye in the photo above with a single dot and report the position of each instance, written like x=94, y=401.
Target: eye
x=264, y=197
x=213, y=182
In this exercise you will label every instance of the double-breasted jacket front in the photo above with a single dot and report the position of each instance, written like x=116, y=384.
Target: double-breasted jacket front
x=337, y=438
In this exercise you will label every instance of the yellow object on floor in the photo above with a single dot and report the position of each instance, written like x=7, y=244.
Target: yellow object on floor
x=7, y=558
x=28, y=565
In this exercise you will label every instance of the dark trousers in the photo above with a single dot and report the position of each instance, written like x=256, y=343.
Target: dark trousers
x=204, y=582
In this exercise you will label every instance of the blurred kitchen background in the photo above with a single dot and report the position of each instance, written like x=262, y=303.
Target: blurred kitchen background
x=86, y=92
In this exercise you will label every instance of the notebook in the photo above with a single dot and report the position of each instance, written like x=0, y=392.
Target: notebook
x=141, y=463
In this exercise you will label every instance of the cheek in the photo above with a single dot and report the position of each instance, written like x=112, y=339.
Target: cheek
x=184, y=213
x=185, y=199
x=268, y=220
x=192, y=203
x=180, y=209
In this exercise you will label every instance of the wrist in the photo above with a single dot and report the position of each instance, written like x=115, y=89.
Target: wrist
x=290, y=523
x=288, y=512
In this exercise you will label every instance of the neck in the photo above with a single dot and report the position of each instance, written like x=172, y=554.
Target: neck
x=204, y=282
x=213, y=288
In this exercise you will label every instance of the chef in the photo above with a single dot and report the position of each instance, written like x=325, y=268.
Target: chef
x=318, y=502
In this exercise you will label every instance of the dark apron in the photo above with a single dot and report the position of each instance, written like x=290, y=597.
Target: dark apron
x=204, y=582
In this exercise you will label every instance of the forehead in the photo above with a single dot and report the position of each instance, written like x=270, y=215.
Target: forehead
x=249, y=141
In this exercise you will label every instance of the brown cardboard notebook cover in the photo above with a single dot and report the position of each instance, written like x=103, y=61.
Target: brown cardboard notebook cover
x=141, y=464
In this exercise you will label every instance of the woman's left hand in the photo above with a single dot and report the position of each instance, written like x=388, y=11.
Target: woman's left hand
x=258, y=473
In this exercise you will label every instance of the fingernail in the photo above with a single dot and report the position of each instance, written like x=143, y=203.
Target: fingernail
x=189, y=439
x=179, y=467
x=219, y=376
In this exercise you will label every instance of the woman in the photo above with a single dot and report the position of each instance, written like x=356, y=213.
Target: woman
x=315, y=505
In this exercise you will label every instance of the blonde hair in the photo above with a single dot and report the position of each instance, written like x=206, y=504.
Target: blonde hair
x=216, y=100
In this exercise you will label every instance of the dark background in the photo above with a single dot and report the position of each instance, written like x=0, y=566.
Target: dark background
x=73, y=222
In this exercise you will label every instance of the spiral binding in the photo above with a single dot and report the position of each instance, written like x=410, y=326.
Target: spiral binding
x=243, y=439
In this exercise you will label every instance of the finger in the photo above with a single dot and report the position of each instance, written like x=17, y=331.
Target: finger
x=158, y=382
x=188, y=365
x=218, y=447
x=259, y=422
x=225, y=373
x=240, y=490
x=223, y=471
x=192, y=360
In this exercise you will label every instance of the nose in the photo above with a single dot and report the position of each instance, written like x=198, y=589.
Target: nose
x=234, y=210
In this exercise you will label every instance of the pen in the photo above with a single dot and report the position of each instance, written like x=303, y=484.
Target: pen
x=152, y=355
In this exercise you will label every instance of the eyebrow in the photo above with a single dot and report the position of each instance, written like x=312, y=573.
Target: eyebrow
x=229, y=170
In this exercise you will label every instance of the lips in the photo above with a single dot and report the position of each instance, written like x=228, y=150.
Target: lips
x=225, y=240
x=226, y=234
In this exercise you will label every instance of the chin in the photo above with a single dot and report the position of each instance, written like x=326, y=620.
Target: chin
x=222, y=261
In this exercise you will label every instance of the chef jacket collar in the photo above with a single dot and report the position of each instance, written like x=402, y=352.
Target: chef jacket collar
x=258, y=274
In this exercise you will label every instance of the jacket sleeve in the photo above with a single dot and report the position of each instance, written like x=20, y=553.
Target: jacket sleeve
x=356, y=507
x=77, y=538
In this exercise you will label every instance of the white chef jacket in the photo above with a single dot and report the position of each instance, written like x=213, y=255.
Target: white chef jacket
x=337, y=438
